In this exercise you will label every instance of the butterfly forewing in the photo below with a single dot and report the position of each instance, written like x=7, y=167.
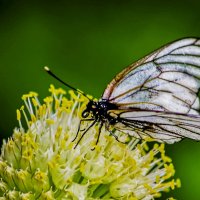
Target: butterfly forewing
x=158, y=95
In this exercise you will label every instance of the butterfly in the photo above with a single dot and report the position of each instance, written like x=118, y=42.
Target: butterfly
x=155, y=97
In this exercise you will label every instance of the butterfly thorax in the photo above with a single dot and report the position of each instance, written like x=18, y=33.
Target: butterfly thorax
x=100, y=110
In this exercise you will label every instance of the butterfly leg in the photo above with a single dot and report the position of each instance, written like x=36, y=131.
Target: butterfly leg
x=116, y=137
x=113, y=134
x=79, y=127
x=99, y=133
x=88, y=128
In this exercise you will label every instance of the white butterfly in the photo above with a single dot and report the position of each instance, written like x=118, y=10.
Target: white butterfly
x=156, y=96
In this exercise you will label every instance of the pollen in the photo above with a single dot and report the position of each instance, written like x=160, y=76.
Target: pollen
x=35, y=103
x=48, y=100
x=18, y=115
x=33, y=118
x=50, y=121
x=40, y=176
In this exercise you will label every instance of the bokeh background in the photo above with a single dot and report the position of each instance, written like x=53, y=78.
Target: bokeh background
x=86, y=43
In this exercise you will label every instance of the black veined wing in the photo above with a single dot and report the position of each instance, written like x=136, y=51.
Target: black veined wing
x=158, y=95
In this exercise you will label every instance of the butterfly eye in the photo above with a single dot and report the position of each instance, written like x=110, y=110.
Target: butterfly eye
x=93, y=106
x=85, y=114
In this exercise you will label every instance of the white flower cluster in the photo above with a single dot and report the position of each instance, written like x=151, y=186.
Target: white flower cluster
x=40, y=162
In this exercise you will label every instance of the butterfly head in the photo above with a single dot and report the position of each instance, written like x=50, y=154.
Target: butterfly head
x=98, y=109
x=91, y=108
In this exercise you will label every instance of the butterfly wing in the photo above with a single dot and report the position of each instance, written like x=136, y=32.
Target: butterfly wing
x=164, y=86
x=163, y=126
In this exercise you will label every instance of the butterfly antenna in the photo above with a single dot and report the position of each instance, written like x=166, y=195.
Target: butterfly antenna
x=60, y=80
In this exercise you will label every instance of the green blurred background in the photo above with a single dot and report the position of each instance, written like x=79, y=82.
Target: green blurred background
x=86, y=43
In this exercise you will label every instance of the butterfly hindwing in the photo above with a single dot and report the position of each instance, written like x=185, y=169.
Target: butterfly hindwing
x=163, y=126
